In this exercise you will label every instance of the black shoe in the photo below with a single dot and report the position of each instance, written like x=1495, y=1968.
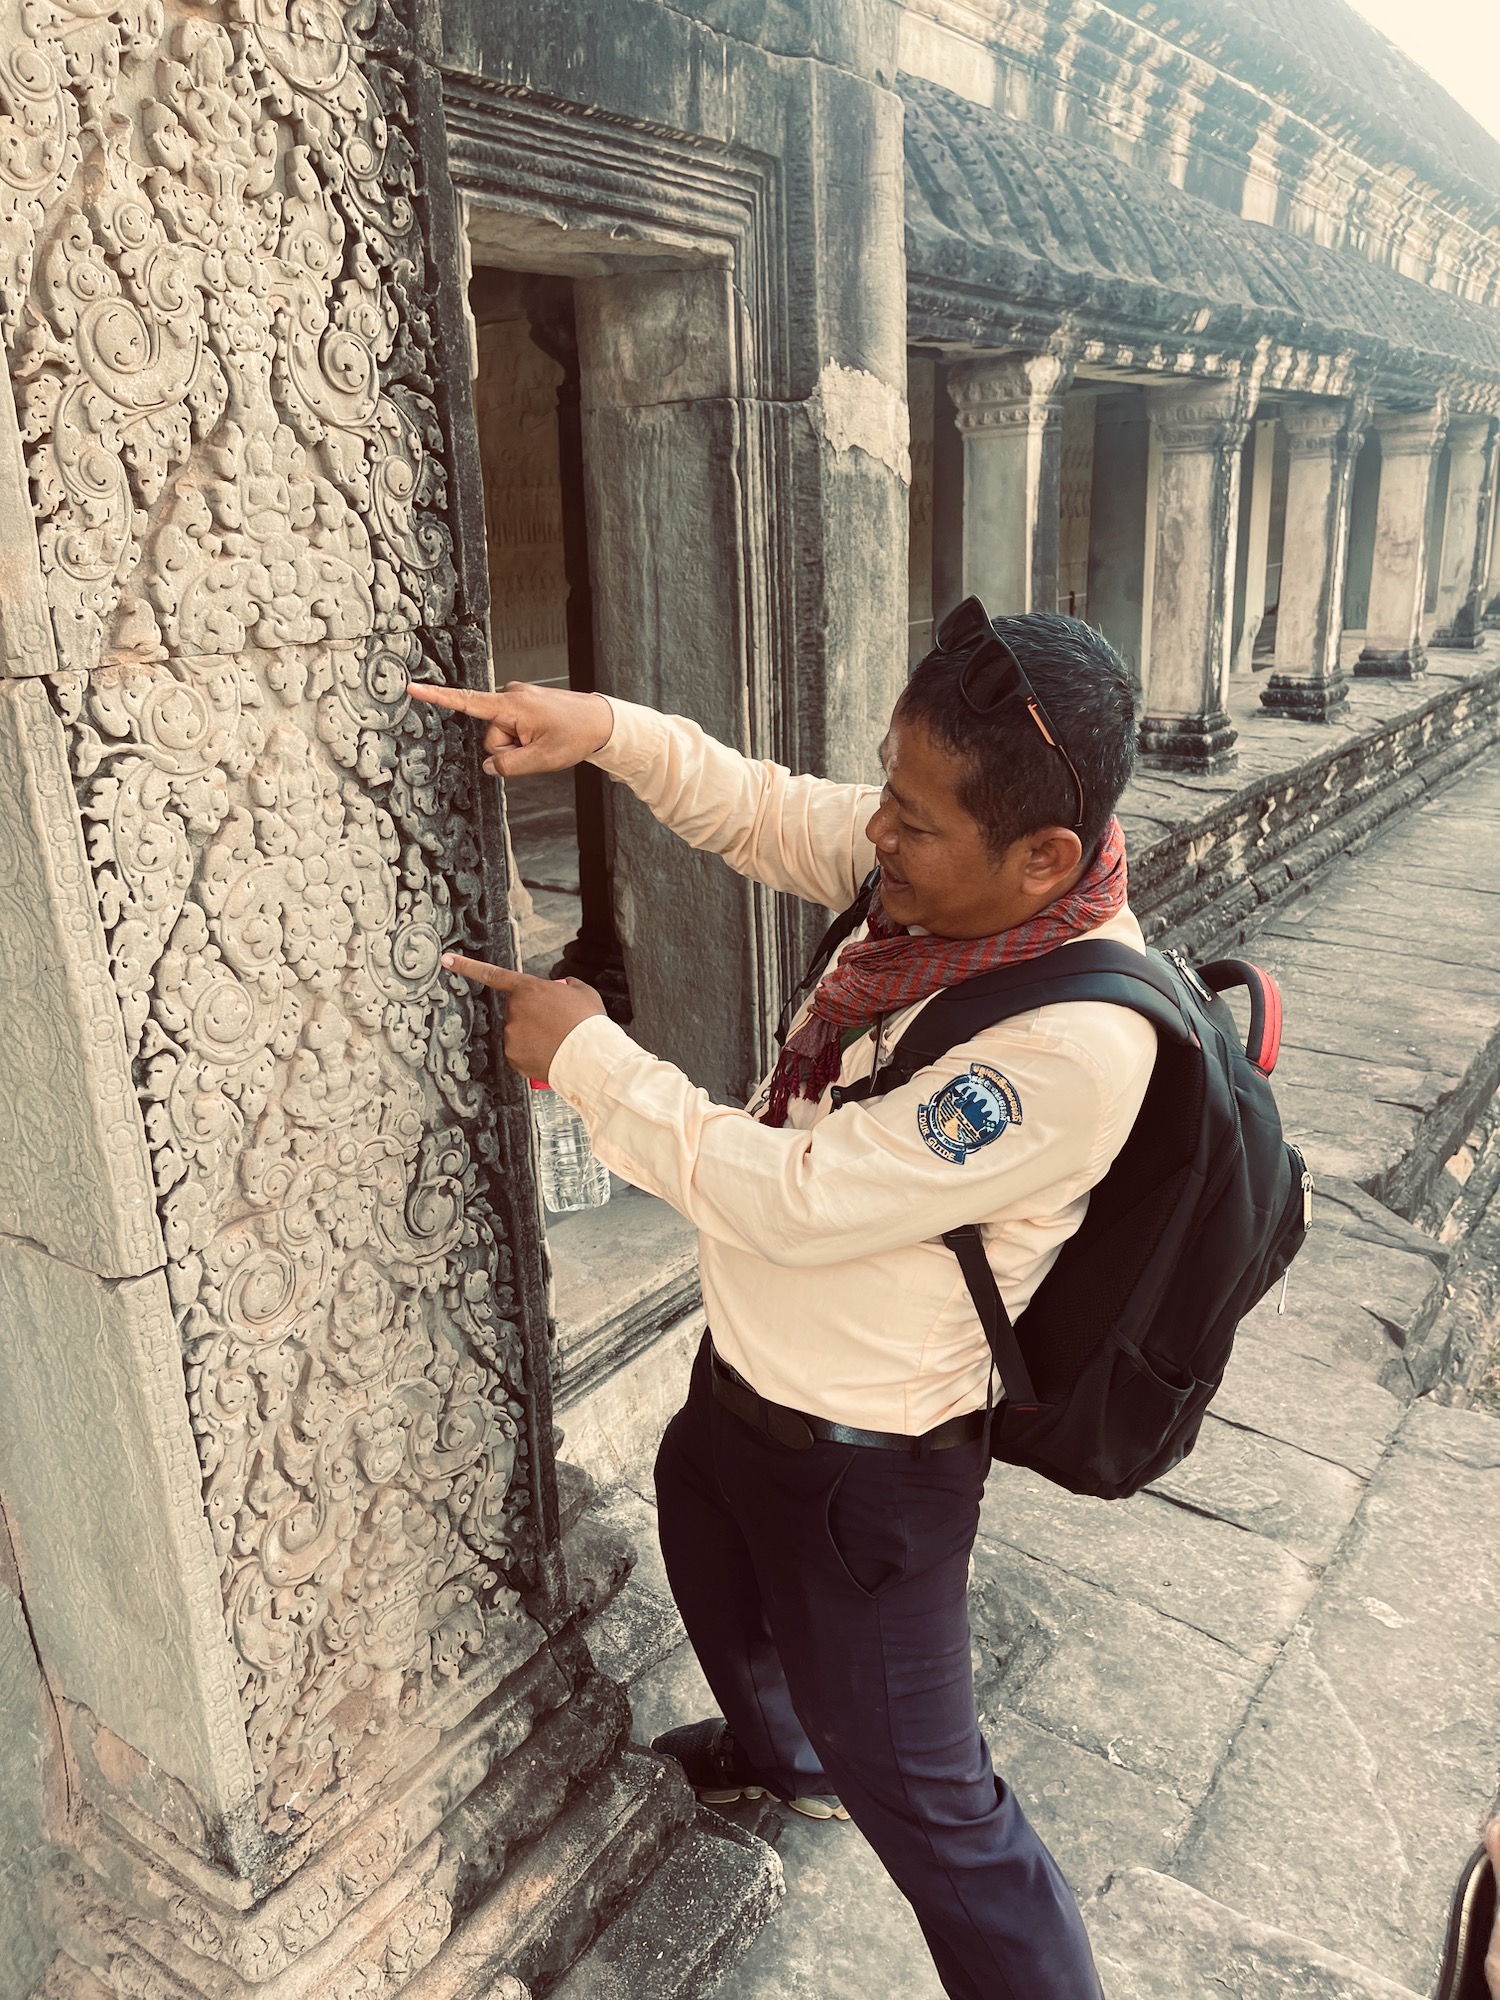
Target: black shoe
x=707, y=1753
x=1471, y=1921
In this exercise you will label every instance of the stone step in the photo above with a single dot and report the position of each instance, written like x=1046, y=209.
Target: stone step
x=561, y=1890
x=1157, y=1939
x=1351, y=1795
x=679, y=1934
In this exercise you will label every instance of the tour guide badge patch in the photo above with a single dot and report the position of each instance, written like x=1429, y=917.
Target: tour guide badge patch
x=968, y=1113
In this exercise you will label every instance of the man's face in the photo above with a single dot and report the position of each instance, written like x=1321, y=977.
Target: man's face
x=936, y=871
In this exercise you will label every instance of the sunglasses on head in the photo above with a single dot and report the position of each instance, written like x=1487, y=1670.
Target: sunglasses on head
x=992, y=675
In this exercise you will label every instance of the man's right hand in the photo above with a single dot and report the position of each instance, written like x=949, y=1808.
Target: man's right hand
x=528, y=728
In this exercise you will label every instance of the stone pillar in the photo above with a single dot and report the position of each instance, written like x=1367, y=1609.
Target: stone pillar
x=947, y=499
x=921, y=383
x=1200, y=429
x=1490, y=596
x=1323, y=441
x=1253, y=546
x=1410, y=441
x=1010, y=413
x=1119, y=510
x=276, y=1440
x=1464, y=568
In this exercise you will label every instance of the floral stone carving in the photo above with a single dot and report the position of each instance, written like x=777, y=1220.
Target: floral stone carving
x=212, y=286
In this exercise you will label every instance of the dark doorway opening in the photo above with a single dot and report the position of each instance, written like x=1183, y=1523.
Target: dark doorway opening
x=527, y=405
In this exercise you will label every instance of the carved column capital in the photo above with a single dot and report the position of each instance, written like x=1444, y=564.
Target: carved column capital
x=1203, y=416
x=1469, y=433
x=1412, y=433
x=1326, y=428
x=1009, y=389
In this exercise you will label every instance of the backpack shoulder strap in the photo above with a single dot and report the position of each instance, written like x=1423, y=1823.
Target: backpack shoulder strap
x=1091, y=970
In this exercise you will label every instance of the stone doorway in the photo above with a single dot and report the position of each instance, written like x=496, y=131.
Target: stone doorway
x=526, y=407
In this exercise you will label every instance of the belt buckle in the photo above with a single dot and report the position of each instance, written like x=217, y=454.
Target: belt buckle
x=788, y=1428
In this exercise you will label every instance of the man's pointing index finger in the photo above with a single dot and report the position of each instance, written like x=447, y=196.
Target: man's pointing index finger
x=467, y=701
x=497, y=976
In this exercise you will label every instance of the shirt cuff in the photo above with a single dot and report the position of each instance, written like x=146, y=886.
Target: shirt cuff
x=585, y=1059
x=634, y=747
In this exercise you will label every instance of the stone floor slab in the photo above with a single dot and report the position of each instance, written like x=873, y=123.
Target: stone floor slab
x=1234, y=1586
x=1156, y=1939
x=1103, y=1672
x=1354, y=1790
x=672, y=1691
x=1281, y=1394
x=1273, y=1489
x=1096, y=1816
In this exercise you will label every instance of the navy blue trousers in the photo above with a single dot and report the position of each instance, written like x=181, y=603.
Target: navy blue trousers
x=825, y=1593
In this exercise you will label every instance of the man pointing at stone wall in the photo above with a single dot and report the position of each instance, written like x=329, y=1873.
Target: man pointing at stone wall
x=819, y=1491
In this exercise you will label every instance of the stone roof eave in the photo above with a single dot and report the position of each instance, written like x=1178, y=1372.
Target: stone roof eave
x=1015, y=235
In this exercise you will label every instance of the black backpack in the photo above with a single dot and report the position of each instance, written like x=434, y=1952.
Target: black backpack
x=1109, y=1370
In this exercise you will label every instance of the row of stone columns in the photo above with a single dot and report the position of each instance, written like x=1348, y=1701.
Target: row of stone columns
x=1009, y=412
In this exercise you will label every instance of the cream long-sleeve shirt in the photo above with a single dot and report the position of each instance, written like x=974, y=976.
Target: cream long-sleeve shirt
x=824, y=1279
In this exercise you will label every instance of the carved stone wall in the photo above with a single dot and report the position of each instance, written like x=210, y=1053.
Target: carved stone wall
x=215, y=296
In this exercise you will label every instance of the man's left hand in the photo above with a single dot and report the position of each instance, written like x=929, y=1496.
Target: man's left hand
x=540, y=1014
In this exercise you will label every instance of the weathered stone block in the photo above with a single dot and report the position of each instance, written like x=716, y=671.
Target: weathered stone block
x=687, y=1925
x=844, y=1933
x=75, y=1174
x=102, y=1489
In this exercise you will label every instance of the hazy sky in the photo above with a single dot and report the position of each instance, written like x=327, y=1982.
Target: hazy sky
x=1457, y=41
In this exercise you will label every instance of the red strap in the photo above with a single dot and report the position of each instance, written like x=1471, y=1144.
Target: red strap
x=1264, y=1057
x=1263, y=1043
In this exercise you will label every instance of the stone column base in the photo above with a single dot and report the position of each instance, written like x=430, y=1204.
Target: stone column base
x=1309, y=698
x=1457, y=640
x=1198, y=743
x=1404, y=664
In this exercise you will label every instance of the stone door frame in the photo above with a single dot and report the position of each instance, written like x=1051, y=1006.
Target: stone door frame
x=548, y=188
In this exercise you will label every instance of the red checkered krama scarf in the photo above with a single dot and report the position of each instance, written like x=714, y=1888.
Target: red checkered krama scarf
x=890, y=969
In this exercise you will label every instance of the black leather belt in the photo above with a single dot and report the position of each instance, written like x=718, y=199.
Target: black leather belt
x=799, y=1431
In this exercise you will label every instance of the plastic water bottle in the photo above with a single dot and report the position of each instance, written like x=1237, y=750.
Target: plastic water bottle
x=572, y=1177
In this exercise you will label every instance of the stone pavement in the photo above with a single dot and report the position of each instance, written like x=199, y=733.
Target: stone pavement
x=1255, y=1711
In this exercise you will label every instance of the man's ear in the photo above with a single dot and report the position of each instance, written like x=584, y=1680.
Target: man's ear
x=1055, y=857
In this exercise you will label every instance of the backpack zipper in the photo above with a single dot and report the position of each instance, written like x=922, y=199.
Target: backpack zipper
x=1308, y=1189
x=1189, y=975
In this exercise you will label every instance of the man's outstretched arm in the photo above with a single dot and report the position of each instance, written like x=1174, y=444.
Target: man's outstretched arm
x=805, y=836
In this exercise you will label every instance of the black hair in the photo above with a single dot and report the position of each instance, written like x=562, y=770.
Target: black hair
x=1014, y=783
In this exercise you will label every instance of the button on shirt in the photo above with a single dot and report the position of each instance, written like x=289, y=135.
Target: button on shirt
x=824, y=1279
